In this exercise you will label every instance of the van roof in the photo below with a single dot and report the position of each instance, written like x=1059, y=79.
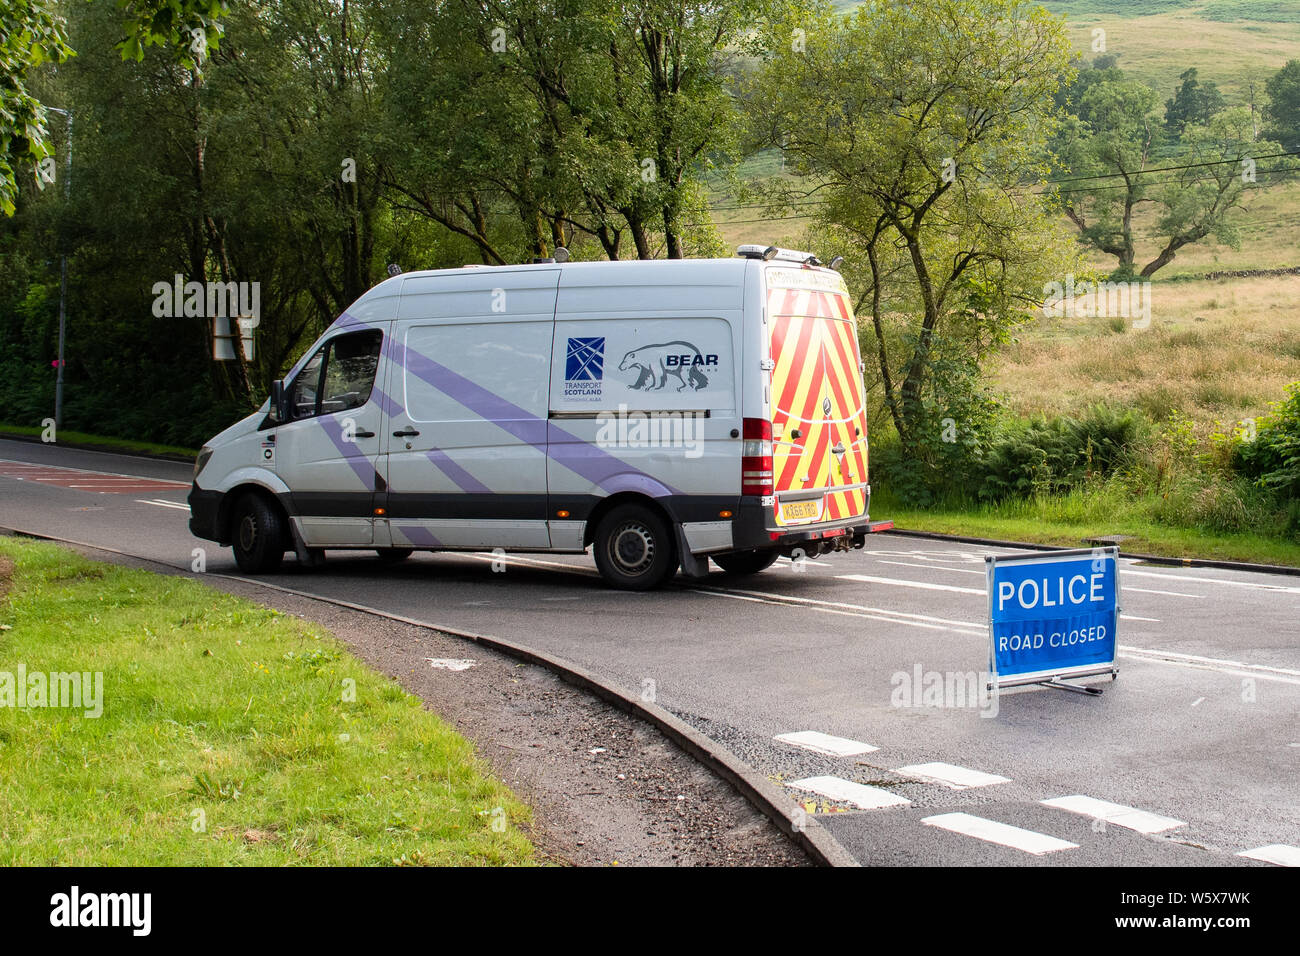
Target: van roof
x=731, y=268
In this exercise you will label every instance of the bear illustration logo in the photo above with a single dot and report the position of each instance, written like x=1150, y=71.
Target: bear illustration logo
x=655, y=363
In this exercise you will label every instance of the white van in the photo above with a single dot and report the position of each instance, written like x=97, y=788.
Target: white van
x=664, y=413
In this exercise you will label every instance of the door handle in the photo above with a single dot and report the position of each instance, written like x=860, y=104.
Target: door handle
x=407, y=432
x=363, y=434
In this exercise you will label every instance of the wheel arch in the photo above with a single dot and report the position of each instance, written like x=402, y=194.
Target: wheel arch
x=226, y=510
x=606, y=505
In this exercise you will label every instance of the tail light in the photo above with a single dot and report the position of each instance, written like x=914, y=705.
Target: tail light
x=756, y=458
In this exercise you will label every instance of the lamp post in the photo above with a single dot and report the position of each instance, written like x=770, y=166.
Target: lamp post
x=63, y=282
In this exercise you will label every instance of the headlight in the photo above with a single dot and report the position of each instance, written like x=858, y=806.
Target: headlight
x=204, y=454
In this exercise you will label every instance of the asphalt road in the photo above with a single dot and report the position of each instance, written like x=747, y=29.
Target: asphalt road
x=1200, y=735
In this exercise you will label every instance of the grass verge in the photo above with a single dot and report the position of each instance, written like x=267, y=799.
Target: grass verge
x=230, y=734
x=100, y=442
x=1066, y=521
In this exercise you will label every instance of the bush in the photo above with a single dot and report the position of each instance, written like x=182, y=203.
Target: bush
x=1051, y=456
x=1272, y=460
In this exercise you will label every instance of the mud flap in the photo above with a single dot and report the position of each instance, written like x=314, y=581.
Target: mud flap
x=307, y=557
x=694, y=566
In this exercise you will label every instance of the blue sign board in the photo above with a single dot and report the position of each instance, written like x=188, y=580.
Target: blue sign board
x=1052, y=614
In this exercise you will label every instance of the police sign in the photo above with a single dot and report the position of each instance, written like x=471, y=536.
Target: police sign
x=1052, y=615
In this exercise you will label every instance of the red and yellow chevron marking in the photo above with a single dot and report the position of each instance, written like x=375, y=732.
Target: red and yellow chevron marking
x=817, y=390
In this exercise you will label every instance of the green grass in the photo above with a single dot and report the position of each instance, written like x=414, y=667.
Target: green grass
x=222, y=713
x=1067, y=520
x=101, y=442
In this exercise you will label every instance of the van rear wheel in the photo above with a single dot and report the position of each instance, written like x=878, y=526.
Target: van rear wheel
x=635, y=550
x=745, y=562
x=258, y=538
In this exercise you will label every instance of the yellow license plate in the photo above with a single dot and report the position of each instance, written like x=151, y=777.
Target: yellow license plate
x=801, y=510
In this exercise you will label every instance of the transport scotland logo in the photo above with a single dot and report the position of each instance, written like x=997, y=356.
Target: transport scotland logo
x=584, y=368
x=586, y=360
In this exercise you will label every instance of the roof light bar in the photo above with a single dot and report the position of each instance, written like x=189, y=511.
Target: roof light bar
x=752, y=250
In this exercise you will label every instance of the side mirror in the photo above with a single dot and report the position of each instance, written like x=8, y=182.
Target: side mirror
x=279, y=403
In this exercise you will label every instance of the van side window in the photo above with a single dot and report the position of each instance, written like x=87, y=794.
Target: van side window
x=340, y=376
x=302, y=396
x=350, y=371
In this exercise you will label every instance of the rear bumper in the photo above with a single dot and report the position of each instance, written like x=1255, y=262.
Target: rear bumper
x=205, y=510
x=750, y=530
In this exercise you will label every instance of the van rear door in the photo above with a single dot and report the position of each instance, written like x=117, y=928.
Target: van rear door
x=818, y=411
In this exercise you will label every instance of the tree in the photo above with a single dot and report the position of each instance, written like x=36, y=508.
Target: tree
x=920, y=127
x=1282, y=113
x=1112, y=171
x=32, y=34
x=1192, y=102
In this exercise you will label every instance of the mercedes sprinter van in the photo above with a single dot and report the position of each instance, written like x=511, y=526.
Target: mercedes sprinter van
x=661, y=413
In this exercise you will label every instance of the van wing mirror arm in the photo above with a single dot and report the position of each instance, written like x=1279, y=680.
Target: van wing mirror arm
x=279, y=402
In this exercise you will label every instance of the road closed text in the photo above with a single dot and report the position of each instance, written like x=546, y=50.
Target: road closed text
x=1033, y=642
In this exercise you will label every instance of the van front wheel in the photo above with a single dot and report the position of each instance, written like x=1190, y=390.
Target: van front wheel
x=258, y=538
x=745, y=562
x=634, y=548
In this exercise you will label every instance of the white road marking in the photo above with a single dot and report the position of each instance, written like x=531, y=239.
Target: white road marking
x=991, y=831
x=164, y=504
x=1279, y=854
x=924, y=585
x=951, y=776
x=1122, y=816
x=972, y=628
x=449, y=663
x=1237, y=584
x=1129, y=587
x=858, y=794
x=928, y=586
x=1123, y=571
x=1198, y=702
x=834, y=607
x=1233, y=668
x=828, y=744
x=931, y=567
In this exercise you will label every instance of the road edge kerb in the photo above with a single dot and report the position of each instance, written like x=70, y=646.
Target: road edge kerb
x=120, y=450
x=1153, y=558
x=770, y=800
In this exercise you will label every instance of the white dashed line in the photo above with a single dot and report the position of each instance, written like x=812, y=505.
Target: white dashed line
x=1279, y=854
x=1121, y=816
x=827, y=744
x=1004, y=834
x=164, y=504
x=950, y=775
x=858, y=794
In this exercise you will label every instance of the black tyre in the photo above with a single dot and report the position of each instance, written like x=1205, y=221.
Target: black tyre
x=394, y=555
x=745, y=562
x=258, y=535
x=634, y=548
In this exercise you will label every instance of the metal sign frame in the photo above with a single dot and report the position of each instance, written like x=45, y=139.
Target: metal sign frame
x=1053, y=677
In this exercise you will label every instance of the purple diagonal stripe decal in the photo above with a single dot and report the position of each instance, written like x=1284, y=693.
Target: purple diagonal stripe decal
x=357, y=460
x=463, y=479
x=581, y=457
x=417, y=535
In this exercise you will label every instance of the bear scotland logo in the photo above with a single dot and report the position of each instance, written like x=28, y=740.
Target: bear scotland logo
x=654, y=363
